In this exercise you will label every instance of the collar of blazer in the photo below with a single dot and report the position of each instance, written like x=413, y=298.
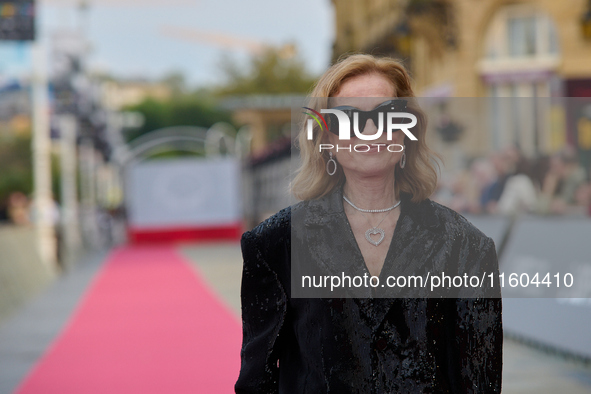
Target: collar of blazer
x=322, y=240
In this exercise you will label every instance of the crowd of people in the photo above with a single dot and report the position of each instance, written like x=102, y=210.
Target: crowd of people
x=508, y=183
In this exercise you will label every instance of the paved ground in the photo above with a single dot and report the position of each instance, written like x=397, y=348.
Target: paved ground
x=26, y=335
x=221, y=265
x=528, y=370
x=22, y=274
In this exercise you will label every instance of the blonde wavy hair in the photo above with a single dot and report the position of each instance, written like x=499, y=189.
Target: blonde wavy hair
x=419, y=176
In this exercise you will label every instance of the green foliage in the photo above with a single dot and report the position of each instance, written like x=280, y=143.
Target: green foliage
x=16, y=164
x=276, y=71
x=174, y=154
x=182, y=110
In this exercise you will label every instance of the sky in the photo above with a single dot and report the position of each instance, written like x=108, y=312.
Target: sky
x=150, y=38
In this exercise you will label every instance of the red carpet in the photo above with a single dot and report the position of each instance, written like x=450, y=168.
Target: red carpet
x=147, y=324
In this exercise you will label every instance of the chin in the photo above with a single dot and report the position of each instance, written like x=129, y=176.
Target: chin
x=373, y=171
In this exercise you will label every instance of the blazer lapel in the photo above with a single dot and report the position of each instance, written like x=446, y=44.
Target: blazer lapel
x=417, y=231
x=331, y=246
x=330, y=241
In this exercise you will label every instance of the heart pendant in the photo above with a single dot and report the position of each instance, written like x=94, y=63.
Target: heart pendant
x=375, y=231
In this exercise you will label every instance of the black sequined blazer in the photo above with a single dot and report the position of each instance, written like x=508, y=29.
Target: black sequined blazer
x=368, y=345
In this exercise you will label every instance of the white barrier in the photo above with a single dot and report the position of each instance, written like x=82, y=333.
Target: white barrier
x=183, y=195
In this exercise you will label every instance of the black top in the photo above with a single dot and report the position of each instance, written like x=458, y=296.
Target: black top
x=368, y=345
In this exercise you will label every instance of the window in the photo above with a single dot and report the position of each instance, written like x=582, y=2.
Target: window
x=522, y=36
x=521, y=32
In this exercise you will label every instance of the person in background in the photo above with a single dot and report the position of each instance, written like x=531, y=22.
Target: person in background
x=18, y=208
x=519, y=194
x=505, y=164
x=561, y=183
x=492, y=192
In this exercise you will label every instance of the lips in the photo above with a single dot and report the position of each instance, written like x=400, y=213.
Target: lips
x=374, y=148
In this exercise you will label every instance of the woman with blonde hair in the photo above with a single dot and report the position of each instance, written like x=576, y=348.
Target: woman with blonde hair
x=365, y=182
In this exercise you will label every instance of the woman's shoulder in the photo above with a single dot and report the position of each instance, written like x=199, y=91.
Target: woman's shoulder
x=273, y=223
x=268, y=246
x=455, y=225
x=278, y=223
x=271, y=231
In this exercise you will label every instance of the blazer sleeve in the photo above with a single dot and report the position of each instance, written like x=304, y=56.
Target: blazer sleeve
x=475, y=348
x=263, y=313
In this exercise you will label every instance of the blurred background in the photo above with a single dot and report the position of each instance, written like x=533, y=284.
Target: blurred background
x=128, y=124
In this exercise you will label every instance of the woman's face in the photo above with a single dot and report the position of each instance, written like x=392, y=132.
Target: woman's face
x=377, y=89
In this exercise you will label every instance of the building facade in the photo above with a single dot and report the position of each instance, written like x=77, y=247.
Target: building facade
x=517, y=57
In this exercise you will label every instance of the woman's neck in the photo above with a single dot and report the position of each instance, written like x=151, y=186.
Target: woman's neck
x=370, y=192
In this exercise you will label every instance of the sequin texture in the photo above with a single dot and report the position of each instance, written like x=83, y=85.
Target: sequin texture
x=368, y=345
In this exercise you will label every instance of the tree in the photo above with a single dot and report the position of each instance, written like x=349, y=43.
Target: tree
x=275, y=71
x=176, y=81
x=15, y=161
x=189, y=109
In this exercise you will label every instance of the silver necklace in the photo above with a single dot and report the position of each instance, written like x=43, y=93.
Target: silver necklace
x=374, y=230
